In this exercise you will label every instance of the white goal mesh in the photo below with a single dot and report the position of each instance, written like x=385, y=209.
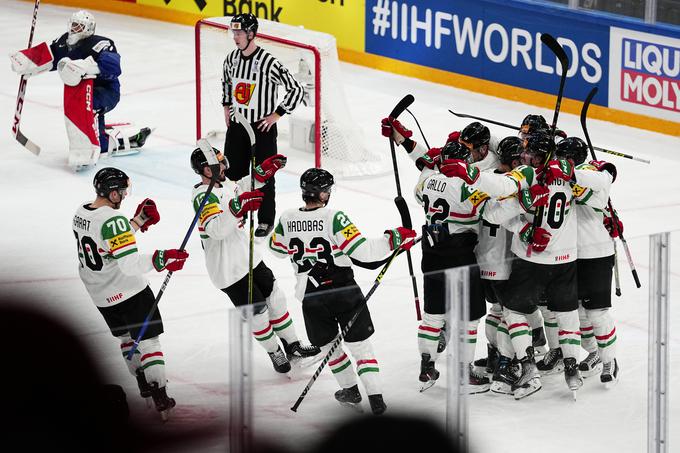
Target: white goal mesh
x=322, y=127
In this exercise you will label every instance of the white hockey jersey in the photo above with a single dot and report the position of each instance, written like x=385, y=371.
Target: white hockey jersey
x=111, y=267
x=308, y=236
x=591, y=193
x=224, y=238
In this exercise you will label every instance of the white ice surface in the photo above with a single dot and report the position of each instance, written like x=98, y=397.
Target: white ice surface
x=40, y=195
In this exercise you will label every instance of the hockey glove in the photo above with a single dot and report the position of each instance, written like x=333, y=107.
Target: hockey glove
x=560, y=133
x=559, y=169
x=247, y=201
x=604, y=166
x=400, y=238
x=535, y=196
x=538, y=239
x=393, y=128
x=457, y=168
x=146, y=215
x=614, y=228
x=172, y=260
x=453, y=137
x=269, y=166
x=430, y=159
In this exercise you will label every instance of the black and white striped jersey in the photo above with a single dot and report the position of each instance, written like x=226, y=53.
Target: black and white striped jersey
x=250, y=84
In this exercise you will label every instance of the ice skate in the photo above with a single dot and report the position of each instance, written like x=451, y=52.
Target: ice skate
x=572, y=375
x=428, y=373
x=301, y=355
x=539, y=342
x=591, y=365
x=124, y=141
x=279, y=360
x=350, y=397
x=503, y=377
x=551, y=363
x=378, y=406
x=478, y=383
x=145, y=388
x=610, y=373
x=162, y=401
x=529, y=381
x=486, y=365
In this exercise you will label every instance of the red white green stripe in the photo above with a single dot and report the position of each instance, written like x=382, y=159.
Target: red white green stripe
x=367, y=366
x=569, y=337
x=125, y=348
x=604, y=341
x=339, y=364
x=517, y=329
x=493, y=320
x=152, y=359
x=428, y=332
x=281, y=323
x=587, y=332
x=471, y=336
x=264, y=334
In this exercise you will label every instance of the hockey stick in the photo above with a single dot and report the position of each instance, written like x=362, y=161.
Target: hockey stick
x=557, y=49
x=214, y=165
x=419, y=128
x=615, y=219
x=396, y=111
x=23, y=81
x=238, y=116
x=517, y=128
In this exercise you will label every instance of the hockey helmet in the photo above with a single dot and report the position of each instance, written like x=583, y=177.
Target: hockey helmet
x=245, y=22
x=572, y=148
x=199, y=162
x=110, y=179
x=540, y=143
x=533, y=123
x=475, y=135
x=81, y=25
x=455, y=150
x=314, y=181
x=509, y=149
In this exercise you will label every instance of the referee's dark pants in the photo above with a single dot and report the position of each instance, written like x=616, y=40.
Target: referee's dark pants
x=237, y=152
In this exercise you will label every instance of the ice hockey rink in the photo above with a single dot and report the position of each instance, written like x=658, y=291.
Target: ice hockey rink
x=40, y=195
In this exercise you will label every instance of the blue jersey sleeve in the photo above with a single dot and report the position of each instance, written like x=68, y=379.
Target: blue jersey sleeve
x=109, y=65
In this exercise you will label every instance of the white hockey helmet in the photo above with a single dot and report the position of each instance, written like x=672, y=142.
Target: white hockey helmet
x=80, y=26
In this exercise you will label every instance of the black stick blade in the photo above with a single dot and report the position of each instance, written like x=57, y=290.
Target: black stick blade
x=402, y=105
x=403, y=212
x=557, y=49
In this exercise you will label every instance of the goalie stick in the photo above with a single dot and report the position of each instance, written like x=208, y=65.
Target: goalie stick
x=615, y=219
x=396, y=111
x=23, y=81
x=214, y=165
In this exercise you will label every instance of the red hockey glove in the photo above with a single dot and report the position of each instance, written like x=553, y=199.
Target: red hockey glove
x=614, y=228
x=146, y=214
x=456, y=168
x=538, y=239
x=269, y=166
x=430, y=159
x=172, y=259
x=400, y=238
x=559, y=169
x=247, y=201
x=393, y=128
x=453, y=137
x=535, y=196
x=604, y=166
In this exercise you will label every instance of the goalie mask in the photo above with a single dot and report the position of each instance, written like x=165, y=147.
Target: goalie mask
x=109, y=180
x=313, y=182
x=81, y=25
x=572, y=148
x=199, y=162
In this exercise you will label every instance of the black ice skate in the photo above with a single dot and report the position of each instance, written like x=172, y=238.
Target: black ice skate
x=428, y=373
x=551, y=363
x=301, y=355
x=529, y=381
x=162, y=401
x=263, y=230
x=487, y=364
x=378, y=406
x=572, y=375
x=610, y=373
x=538, y=341
x=478, y=383
x=138, y=140
x=279, y=360
x=350, y=397
x=144, y=387
x=591, y=365
x=503, y=377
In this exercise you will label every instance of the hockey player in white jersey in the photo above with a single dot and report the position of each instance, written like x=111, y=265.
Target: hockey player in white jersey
x=111, y=268
x=322, y=245
x=595, y=260
x=225, y=242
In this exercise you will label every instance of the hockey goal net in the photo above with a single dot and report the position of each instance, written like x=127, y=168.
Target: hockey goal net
x=321, y=126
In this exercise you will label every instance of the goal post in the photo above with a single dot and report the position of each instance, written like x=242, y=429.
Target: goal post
x=322, y=125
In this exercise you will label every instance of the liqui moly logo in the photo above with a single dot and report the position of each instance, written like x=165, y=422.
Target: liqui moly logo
x=645, y=73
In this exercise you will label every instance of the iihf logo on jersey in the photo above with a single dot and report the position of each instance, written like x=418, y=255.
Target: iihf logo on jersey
x=243, y=92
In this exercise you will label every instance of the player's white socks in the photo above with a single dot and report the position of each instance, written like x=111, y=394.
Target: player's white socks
x=153, y=363
x=605, y=333
x=341, y=367
x=470, y=340
x=551, y=328
x=569, y=334
x=587, y=336
x=518, y=328
x=428, y=334
x=126, y=343
x=493, y=319
x=280, y=319
x=535, y=319
x=264, y=332
x=504, y=343
x=367, y=365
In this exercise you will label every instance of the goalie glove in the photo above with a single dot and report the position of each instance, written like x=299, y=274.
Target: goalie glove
x=146, y=215
x=400, y=238
x=247, y=201
x=601, y=165
x=269, y=167
x=393, y=128
x=172, y=259
x=457, y=168
x=32, y=61
x=73, y=71
x=538, y=239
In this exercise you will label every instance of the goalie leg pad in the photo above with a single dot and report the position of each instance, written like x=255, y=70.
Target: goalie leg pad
x=518, y=329
x=152, y=361
x=605, y=333
x=80, y=124
x=569, y=334
x=428, y=334
x=134, y=364
x=367, y=365
x=341, y=367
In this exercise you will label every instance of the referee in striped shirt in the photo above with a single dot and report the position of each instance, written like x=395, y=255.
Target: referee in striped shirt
x=251, y=78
